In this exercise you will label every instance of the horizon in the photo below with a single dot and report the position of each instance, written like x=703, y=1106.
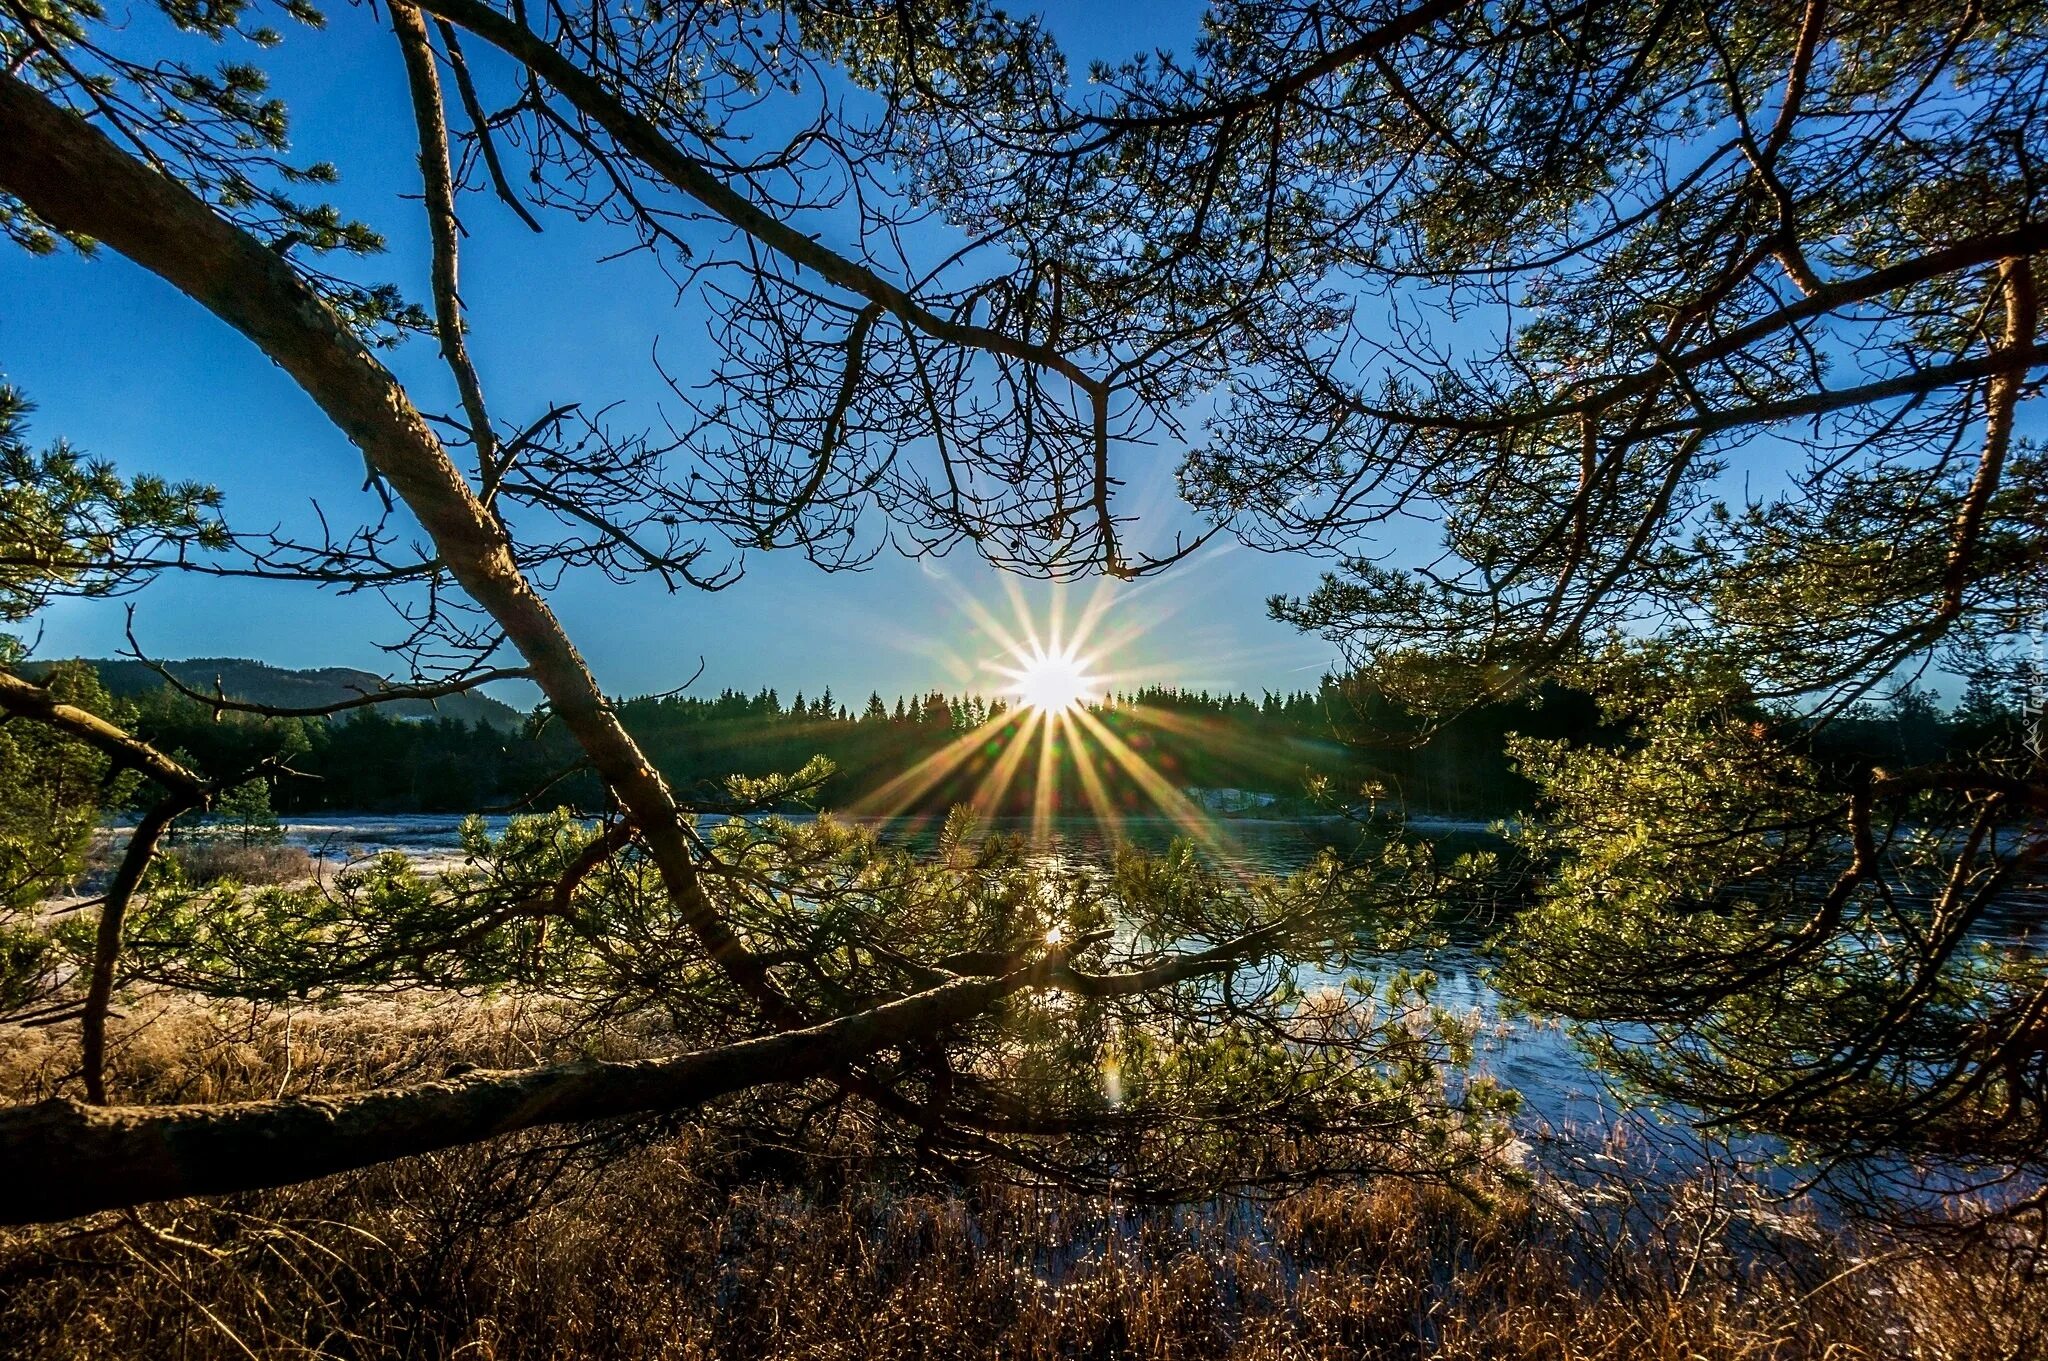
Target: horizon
x=1122, y=692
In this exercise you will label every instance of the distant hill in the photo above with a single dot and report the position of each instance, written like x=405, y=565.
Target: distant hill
x=260, y=683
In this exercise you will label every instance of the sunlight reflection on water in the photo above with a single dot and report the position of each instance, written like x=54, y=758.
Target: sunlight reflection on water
x=1572, y=1119
x=1561, y=1095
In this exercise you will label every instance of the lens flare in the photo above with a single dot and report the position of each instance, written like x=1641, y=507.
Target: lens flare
x=1057, y=732
x=1051, y=682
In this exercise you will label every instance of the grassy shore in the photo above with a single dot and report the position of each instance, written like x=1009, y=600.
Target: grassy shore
x=690, y=1243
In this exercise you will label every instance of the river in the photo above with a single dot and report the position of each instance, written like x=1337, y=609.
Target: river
x=1564, y=1101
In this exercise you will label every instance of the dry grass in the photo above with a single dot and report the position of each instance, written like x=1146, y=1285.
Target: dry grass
x=203, y=859
x=680, y=1246
x=209, y=861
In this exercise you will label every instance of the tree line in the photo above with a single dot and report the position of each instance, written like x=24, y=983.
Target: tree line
x=1349, y=741
x=369, y=761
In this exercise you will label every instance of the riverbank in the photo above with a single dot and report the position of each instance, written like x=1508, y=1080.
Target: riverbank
x=705, y=1242
x=1530, y=1054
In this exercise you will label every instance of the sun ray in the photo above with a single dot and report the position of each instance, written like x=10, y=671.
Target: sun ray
x=1022, y=610
x=987, y=621
x=988, y=798
x=1178, y=807
x=902, y=793
x=1092, y=611
x=1045, y=789
x=1054, y=664
x=1092, y=787
x=1207, y=734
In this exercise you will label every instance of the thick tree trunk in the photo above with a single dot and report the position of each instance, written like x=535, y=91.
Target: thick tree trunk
x=66, y=1158
x=77, y=179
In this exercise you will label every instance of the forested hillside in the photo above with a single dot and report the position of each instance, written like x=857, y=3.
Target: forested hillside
x=240, y=678
x=1277, y=746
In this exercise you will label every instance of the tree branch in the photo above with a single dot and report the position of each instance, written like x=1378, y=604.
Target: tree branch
x=438, y=181
x=71, y=1159
x=2022, y=323
x=18, y=696
x=480, y=124
x=72, y=176
x=646, y=141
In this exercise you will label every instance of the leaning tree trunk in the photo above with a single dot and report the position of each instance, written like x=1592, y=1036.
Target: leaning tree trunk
x=73, y=177
x=67, y=1158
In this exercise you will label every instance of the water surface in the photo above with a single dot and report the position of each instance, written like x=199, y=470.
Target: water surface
x=1561, y=1095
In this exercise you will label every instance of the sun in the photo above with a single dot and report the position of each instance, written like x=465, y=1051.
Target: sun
x=1051, y=682
x=1061, y=735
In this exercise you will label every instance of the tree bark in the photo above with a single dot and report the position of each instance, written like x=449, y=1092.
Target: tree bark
x=106, y=952
x=75, y=178
x=66, y=1158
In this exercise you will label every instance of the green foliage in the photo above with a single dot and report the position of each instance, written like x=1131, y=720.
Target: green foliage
x=1157, y=1082
x=1694, y=318
x=365, y=760
x=778, y=790
x=52, y=790
x=244, y=813
x=1347, y=733
x=30, y=962
x=384, y=923
x=70, y=525
x=1786, y=942
x=219, y=130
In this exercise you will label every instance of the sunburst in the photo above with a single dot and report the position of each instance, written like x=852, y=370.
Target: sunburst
x=1052, y=681
x=1055, y=677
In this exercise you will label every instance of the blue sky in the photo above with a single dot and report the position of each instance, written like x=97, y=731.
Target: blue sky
x=124, y=367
